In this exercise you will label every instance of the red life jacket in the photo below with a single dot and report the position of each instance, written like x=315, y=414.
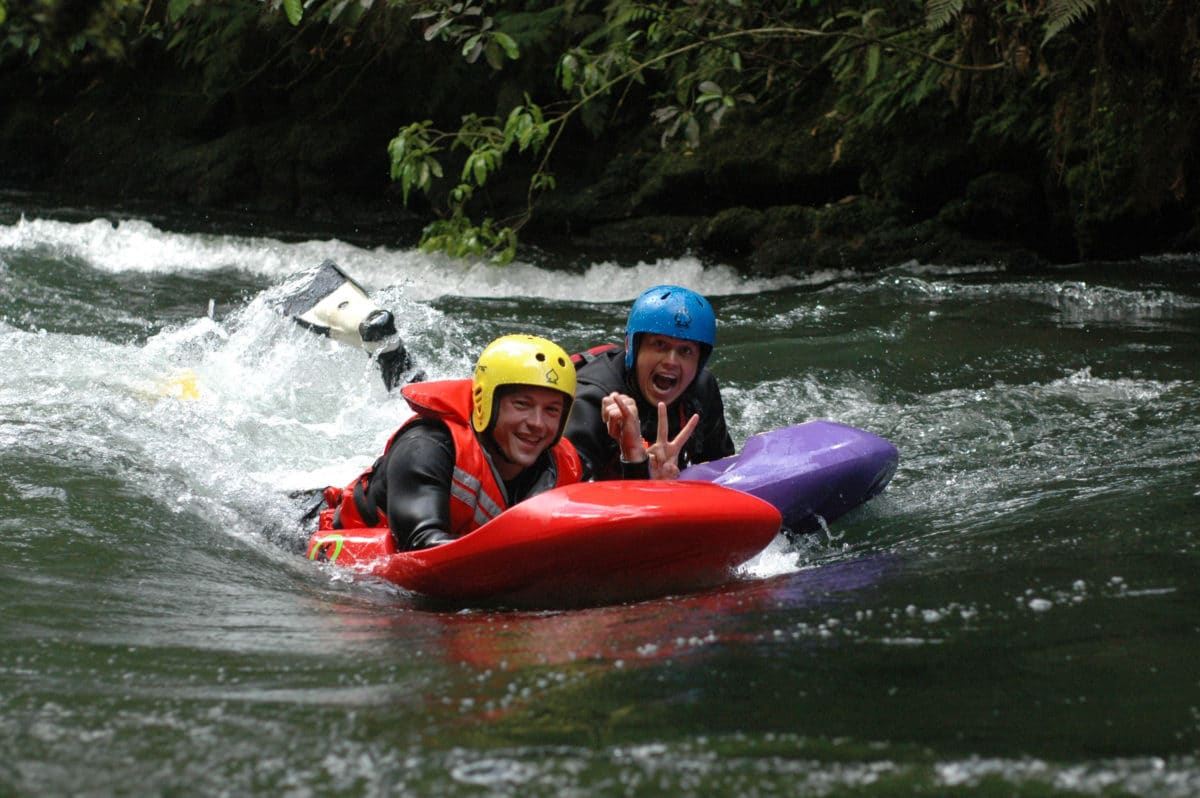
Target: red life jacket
x=475, y=493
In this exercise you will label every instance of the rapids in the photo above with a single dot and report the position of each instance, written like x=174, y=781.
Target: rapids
x=1018, y=612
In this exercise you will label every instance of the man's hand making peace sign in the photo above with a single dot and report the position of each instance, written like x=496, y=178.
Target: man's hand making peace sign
x=620, y=413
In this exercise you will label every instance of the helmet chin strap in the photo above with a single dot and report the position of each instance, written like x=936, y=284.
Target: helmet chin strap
x=495, y=448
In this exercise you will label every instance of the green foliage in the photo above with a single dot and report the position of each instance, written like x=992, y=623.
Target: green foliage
x=237, y=42
x=701, y=61
x=487, y=140
x=54, y=36
x=467, y=26
x=1013, y=73
x=461, y=238
x=1059, y=14
x=412, y=158
x=176, y=9
x=294, y=9
x=939, y=13
x=1063, y=13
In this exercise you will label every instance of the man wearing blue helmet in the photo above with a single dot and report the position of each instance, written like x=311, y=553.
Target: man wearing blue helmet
x=651, y=408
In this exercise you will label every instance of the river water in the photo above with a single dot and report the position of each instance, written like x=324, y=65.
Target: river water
x=1018, y=613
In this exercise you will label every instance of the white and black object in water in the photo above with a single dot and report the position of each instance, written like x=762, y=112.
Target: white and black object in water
x=330, y=302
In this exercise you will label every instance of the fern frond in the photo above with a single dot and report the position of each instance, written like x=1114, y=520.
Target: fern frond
x=938, y=13
x=1061, y=14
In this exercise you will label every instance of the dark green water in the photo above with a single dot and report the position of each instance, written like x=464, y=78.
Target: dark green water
x=1018, y=614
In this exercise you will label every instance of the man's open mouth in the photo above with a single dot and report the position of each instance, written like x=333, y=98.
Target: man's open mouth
x=664, y=382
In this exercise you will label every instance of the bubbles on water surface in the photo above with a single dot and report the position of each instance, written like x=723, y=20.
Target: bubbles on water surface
x=998, y=529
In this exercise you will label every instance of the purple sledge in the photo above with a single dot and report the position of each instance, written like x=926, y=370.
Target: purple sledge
x=818, y=470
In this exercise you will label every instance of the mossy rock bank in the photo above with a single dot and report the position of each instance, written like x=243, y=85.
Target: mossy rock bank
x=774, y=194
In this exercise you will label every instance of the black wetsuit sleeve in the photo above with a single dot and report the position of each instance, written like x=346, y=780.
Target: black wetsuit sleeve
x=635, y=470
x=716, y=442
x=588, y=432
x=415, y=489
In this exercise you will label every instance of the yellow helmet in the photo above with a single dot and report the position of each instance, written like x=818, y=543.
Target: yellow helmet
x=520, y=360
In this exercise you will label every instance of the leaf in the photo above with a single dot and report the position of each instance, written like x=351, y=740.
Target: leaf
x=874, y=54
x=436, y=28
x=939, y=13
x=593, y=77
x=868, y=18
x=472, y=48
x=505, y=254
x=1064, y=13
x=513, y=122
x=176, y=9
x=566, y=71
x=406, y=176
x=510, y=46
x=665, y=114
x=294, y=10
x=476, y=167
x=493, y=55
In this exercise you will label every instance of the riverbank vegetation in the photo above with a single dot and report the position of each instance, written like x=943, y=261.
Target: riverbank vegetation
x=785, y=135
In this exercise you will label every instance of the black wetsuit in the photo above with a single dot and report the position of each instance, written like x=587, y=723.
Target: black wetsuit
x=603, y=373
x=411, y=484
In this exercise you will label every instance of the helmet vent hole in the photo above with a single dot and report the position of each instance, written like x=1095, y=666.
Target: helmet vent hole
x=541, y=357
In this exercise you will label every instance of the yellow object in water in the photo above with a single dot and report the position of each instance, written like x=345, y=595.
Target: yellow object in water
x=182, y=384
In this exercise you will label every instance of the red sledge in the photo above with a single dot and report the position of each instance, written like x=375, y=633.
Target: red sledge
x=583, y=544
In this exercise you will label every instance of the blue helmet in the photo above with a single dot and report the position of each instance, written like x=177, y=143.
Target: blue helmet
x=674, y=311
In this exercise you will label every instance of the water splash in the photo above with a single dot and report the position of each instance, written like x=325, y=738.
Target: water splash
x=139, y=246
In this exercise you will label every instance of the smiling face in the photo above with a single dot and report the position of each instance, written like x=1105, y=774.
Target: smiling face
x=527, y=421
x=665, y=367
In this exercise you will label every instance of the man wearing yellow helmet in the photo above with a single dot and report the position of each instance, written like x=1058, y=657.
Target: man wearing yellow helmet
x=474, y=448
